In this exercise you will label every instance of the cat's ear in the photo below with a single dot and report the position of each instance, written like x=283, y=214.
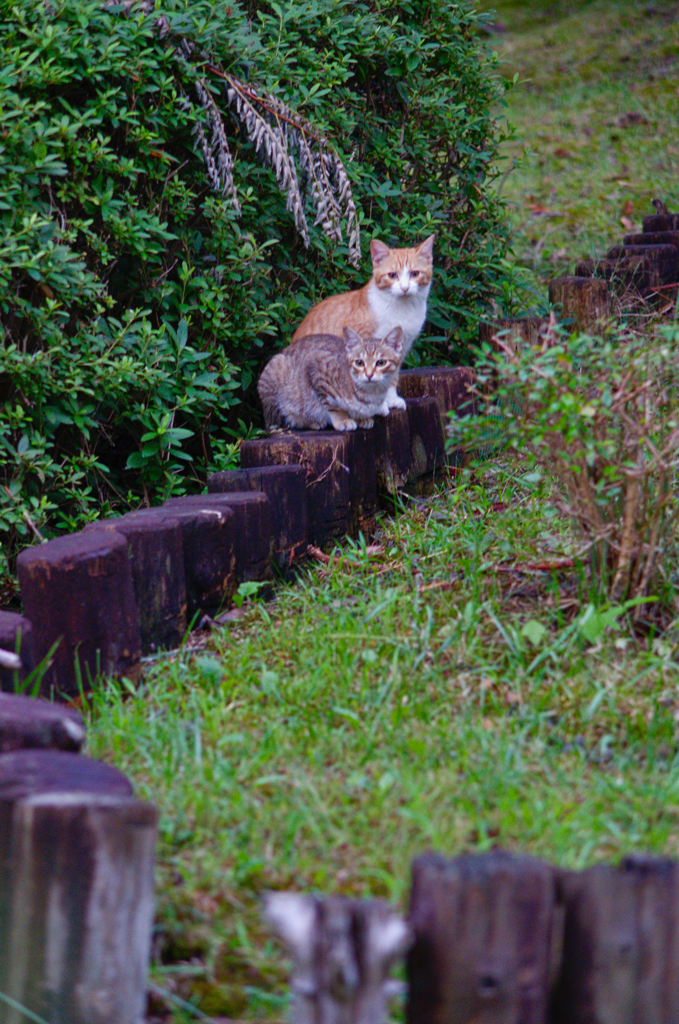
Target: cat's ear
x=352, y=337
x=395, y=338
x=378, y=252
x=426, y=248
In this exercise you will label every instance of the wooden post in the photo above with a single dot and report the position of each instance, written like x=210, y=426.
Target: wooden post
x=154, y=542
x=451, y=386
x=77, y=592
x=620, y=944
x=662, y=261
x=362, y=482
x=16, y=636
x=585, y=299
x=518, y=331
x=453, y=389
x=427, y=445
x=76, y=883
x=343, y=950
x=285, y=488
x=629, y=276
x=392, y=452
x=660, y=222
x=653, y=238
x=38, y=723
x=483, y=937
x=252, y=525
x=29, y=771
x=209, y=546
x=324, y=456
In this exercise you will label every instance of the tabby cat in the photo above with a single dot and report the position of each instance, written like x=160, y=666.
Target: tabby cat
x=324, y=380
x=395, y=296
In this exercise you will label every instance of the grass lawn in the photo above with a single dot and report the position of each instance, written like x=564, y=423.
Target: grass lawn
x=455, y=689
x=595, y=113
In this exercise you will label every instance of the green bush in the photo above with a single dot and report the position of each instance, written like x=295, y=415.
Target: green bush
x=139, y=303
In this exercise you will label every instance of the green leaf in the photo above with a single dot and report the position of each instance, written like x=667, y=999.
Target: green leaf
x=534, y=632
x=182, y=334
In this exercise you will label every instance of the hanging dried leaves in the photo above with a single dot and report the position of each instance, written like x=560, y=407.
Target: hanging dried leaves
x=304, y=162
x=279, y=134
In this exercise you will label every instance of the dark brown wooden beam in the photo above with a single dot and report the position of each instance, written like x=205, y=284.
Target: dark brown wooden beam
x=155, y=547
x=77, y=591
x=483, y=935
x=285, y=487
x=323, y=454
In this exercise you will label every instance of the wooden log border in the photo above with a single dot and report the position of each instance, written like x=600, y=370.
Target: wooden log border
x=96, y=602
x=77, y=853
x=644, y=268
x=498, y=938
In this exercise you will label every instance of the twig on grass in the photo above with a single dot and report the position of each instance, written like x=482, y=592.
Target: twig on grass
x=371, y=550
x=556, y=563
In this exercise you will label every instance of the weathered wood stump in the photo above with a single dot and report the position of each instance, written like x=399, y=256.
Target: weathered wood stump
x=77, y=592
x=620, y=945
x=285, y=487
x=155, y=548
x=483, y=933
x=343, y=950
x=516, y=331
x=451, y=386
x=629, y=276
x=427, y=445
x=585, y=299
x=209, y=541
x=657, y=222
x=324, y=456
x=16, y=636
x=30, y=771
x=393, y=456
x=662, y=260
x=653, y=238
x=27, y=723
x=76, y=885
x=252, y=524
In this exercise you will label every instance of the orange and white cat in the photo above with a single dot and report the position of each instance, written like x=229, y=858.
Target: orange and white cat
x=395, y=296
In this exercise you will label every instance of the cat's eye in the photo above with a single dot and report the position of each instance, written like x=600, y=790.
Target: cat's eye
x=392, y=274
x=381, y=362
x=414, y=273
x=359, y=362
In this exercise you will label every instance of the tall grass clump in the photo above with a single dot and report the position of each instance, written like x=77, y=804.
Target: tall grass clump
x=179, y=185
x=599, y=416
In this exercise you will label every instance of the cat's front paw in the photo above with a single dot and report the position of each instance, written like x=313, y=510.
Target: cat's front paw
x=341, y=421
x=367, y=422
x=392, y=400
